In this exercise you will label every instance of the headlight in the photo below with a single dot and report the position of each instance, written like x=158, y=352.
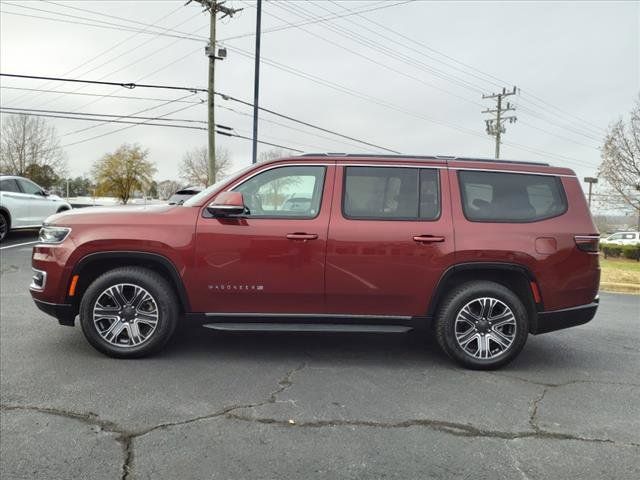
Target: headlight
x=54, y=234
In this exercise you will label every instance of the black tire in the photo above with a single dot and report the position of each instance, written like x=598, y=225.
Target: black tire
x=5, y=225
x=471, y=295
x=164, y=307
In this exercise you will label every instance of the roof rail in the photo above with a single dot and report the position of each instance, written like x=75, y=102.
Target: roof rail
x=423, y=157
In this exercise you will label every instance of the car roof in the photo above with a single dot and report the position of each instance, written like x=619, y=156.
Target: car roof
x=420, y=157
x=451, y=162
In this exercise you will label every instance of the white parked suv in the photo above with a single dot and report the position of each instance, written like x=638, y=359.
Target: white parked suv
x=24, y=204
x=623, y=238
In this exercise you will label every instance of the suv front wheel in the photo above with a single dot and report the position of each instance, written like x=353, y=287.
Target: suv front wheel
x=482, y=325
x=128, y=312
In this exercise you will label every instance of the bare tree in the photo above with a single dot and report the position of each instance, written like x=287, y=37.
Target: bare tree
x=195, y=166
x=166, y=188
x=29, y=146
x=620, y=167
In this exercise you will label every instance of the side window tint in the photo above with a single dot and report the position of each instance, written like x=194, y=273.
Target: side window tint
x=30, y=187
x=294, y=191
x=391, y=193
x=510, y=197
x=9, y=185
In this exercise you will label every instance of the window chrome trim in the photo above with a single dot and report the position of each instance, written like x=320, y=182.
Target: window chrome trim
x=548, y=174
x=277, y=165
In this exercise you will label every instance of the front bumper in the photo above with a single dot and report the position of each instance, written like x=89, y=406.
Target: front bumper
x=565, y=318
x=65, y=313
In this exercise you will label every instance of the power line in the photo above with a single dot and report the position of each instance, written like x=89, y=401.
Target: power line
x=186, y=34
x=129, y=86
x=109, y=115
x=281, y=115
x=63, y=92
x=125, y=116
x=392, y=106
x=334, y=86
x=195, y=90
x=95, y=24
x=490, y=78
x=349, y=33
x=87, y=119
x=221, y=129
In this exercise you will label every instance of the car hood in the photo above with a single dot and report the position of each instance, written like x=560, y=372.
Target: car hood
x=125, y=214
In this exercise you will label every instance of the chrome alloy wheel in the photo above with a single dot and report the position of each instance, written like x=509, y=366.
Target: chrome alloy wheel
x=125, y=315
x=485, y=328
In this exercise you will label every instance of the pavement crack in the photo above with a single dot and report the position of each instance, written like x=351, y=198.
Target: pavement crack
x=562, y=384
x=534, y=410
x=285, y=383
x=452, y=428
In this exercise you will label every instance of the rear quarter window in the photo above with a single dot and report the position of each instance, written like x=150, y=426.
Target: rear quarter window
x=510, y=197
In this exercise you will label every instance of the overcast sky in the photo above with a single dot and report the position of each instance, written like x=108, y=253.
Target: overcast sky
x=412, y=81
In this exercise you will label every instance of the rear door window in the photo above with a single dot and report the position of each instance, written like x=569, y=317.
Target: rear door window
x=391, y=193
x=510, y=197
x=9, y=185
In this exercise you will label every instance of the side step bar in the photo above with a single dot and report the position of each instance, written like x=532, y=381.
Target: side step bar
x=305, y=327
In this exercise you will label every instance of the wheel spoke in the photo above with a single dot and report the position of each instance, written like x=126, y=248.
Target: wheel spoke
x=147, y=318
x=103, y=312
x=468, y=316
x=140, y=295
x=483, y=347
x=135, y=337
x=115, y=294
x=500, y=340
x=114, y=331
x=465, y=340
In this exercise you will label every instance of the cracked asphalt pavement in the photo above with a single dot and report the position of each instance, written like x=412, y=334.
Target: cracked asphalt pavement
x=275, y=406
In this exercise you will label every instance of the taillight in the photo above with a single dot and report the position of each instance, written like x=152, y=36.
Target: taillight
x=587, y=243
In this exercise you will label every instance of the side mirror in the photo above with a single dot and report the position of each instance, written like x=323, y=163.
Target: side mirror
x=227, y=203
x=44, y=193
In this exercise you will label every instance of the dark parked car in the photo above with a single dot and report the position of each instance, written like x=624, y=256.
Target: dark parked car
x=183, y=194
x=481, y=253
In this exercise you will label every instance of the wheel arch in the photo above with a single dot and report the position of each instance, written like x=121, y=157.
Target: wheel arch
x=93, y=265
x=516, y=277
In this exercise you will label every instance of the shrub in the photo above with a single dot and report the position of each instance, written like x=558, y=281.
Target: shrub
x=632, y=252
x=611, y=250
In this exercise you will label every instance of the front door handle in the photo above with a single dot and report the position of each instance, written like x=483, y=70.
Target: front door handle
x=302, y=236
x=428, y=239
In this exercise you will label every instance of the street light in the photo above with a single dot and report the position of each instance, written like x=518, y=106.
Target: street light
x=590, y=181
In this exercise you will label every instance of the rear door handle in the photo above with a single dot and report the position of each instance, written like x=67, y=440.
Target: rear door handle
x=428, y=239
x=302, y=236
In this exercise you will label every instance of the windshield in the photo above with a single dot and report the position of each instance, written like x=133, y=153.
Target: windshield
x=197, y=200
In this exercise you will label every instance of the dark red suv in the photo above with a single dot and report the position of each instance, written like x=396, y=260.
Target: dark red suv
x=479, y=252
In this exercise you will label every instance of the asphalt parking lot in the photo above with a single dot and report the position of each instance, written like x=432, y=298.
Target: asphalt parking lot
x=247, y=406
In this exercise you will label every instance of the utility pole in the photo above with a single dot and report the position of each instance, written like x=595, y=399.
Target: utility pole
x=256, y=83
x=495, y=127
x=590, y=181
x=213, y=7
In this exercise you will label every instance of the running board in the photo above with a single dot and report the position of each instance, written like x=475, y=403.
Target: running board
x=305, y=327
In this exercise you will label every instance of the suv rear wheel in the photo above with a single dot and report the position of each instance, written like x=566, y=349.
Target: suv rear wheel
x=482, y=325
x=129, y=312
